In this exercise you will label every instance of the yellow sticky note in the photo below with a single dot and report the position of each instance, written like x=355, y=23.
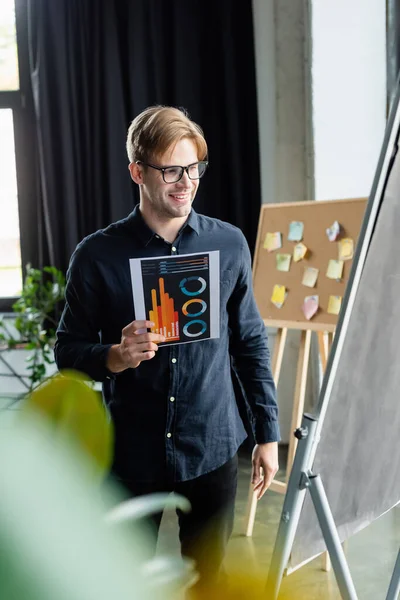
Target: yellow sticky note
x=283, y=262
x=273, y=241
x=310, y=276
x=334, y=305
x=299, y=252
x=335, y=269
x=278, y=295
x=346, y=249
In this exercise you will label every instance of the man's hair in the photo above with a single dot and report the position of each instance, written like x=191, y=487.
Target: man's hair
x=159, y=128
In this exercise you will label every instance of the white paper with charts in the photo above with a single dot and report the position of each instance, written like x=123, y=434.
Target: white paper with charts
x=179, y=294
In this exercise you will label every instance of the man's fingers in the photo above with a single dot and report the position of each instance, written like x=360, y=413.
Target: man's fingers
x=133, y=327
x=258, y=479
x=146, y=346
x=262, y=490
x=255, y=473
x=265, y=483
x=144, y=351
x=139, y=338
x=147, y=355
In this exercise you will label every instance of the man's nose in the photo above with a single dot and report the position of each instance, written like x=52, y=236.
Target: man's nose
x=185, y=179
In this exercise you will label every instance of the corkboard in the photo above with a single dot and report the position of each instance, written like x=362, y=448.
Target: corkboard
x=317, y=217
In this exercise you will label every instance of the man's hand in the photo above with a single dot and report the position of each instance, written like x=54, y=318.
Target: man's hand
x=265, y=466
x=136, y=345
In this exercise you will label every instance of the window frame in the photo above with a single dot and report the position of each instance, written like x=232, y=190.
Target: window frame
x=16, y=101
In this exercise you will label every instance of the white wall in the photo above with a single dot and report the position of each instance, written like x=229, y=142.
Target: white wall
x=321, y=115
x=348, y=94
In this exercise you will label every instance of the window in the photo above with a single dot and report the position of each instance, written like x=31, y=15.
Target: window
x=9, y=78
x=10, y=102
x=10, y=254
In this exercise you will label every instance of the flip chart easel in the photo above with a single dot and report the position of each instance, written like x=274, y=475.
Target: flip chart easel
x=303, y=479
x=377, y=244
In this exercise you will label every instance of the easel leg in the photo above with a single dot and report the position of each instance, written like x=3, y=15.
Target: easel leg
x=329, y=531
x=277, y=357
x=251, y=511
x=291, y=508
x=276, y=365
x=394, y=587
x=324, y=345
x=300, y=393
x=326, y=560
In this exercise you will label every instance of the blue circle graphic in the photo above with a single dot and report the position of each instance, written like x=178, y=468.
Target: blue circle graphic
x=194, y=301
x=193, y=278
x=186, y=328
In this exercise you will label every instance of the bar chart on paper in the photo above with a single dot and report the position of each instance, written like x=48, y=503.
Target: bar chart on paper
x=179, y=294
x=164, y=315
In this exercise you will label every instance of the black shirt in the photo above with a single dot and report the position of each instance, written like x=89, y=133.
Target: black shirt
x=175, y=415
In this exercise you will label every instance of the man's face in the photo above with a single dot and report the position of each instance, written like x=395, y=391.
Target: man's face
x=171, y=200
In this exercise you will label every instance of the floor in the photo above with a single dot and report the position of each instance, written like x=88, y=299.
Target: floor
x=371, y=553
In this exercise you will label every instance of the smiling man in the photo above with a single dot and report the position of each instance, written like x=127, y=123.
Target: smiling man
x=177, y=424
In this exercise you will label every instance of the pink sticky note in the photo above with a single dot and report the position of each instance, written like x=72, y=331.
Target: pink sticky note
x=310, y=306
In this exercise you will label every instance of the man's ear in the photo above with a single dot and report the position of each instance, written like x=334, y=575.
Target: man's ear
x=136, y=172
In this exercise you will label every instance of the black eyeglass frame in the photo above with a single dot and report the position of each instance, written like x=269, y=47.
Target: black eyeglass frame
x=163, y=169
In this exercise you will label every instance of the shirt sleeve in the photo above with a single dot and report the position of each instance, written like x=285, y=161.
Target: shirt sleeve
x=78, y=345
x=250, y=354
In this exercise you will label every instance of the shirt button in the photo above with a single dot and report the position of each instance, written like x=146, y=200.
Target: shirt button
x=173, y=249
x=172, y=399
x=169, y=435
x=173, y=360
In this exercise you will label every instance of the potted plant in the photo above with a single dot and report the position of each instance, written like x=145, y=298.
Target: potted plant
x=36, y=317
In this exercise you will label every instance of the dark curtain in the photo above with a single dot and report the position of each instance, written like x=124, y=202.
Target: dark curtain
x=94, y=65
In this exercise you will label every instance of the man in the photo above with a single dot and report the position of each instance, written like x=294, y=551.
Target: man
x=177, y=425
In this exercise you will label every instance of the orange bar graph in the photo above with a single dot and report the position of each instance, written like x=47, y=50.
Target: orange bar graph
x=164, y=315
x=154, y=312
x=176, y=321
x=171, y=311
x=163, y=327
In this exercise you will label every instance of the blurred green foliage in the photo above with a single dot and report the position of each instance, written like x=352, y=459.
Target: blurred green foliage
x=36, y=318
x=66, y=532
x=75, y=412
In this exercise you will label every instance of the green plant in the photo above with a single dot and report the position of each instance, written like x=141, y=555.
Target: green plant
x=37, y=312
x=61, y=449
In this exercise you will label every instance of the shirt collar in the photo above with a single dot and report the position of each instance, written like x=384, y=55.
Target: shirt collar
x=145, y=234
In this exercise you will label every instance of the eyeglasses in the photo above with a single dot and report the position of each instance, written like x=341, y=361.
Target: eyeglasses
x=174, y=173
